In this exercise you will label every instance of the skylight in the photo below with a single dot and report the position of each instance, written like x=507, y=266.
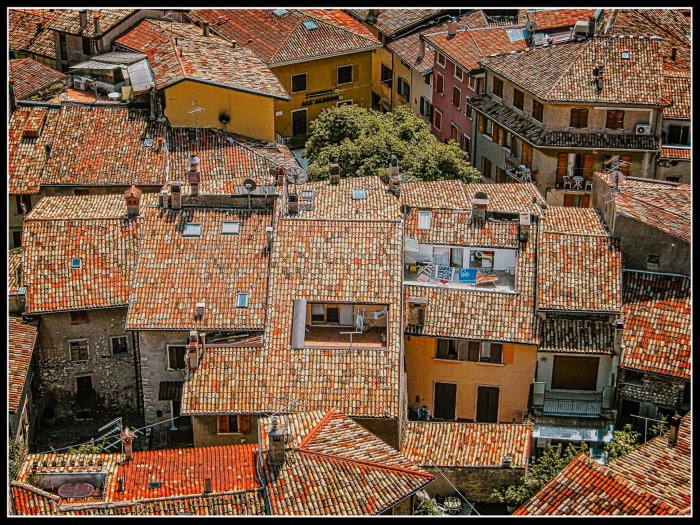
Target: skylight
x=148, y=142
x=626, y=55
x=307, y=195
x=424, y=220
x=242, y=300
x=192, y=229
x=231, y=228
x=359, y=194
x=76, y=264
x=310, y=24
x=279, y=12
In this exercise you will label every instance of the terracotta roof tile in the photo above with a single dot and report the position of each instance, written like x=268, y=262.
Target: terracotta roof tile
x=677, y=91
x=466, y=444
x=106, y=246
x=656, y=336
x=675, y=153
x=21, y=340
x=22, y=27
x=199, y=58
x=280, y=39
x=69, y=21
x=31, y=77
x=208, y=268
x=554, y=18
x=391, y=21
x=576, y=336
x=14, y=263
x=573, y=220
x=44, y=44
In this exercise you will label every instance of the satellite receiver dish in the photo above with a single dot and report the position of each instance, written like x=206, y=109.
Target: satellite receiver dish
x=250, y=185
x=405, y=209
x=530, y=26
x=298, y=174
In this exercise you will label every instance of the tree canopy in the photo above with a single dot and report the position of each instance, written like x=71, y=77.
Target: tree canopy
x=362, y=141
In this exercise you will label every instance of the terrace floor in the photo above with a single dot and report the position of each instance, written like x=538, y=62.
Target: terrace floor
x=331, y=337
x=505, y=283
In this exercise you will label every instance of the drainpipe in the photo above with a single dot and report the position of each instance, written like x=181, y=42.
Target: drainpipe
x=137, y=368
x=393, y=84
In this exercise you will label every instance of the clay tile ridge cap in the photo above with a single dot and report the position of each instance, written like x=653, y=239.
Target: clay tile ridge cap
x=133, y=192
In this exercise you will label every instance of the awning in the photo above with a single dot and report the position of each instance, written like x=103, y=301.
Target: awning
x=170, y=390
x=574, y=433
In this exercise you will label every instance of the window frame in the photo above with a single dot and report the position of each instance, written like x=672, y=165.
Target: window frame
x=111, y=345
x=518, y=96
x=325, y=321
x=429, y=215
x=184, y=356
x=460, y=77
x=352, y=74
x=437, y=112
x=440, y=84
x=654, y=260
x=306, y=83
x=451, y=344
x=577, y=122
x=343, y=102
x=428, y=79
x=70, y=350
x=469, y=112
x=192, y=225
x=444, y=59
x=456, y=90
x=238, y=230
x=239, y=295
x=498, y=94
x=619, y=117
x=74, y=319
x=87, y=44
x=471, y=82
x=454, y=130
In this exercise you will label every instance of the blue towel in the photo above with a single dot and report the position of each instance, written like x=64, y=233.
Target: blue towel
x=467, y=275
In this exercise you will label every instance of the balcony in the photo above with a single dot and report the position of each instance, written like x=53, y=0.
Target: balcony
x=519, y=172
x=571, y=404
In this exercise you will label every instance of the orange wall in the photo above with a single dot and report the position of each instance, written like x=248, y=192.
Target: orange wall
x=514, y=377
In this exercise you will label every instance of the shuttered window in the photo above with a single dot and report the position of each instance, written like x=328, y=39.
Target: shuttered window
x=474, y=350
x=438, y=120
x=562, y=167
x=482, y=124
x=456, y=98
x=424, y=220
x=518, y=99
x=486, y=167
x=579, y=118
x=176, y=357
x=527, y=155
x=455, y=133
x=498, y=134
x=227, y=424
x=588, y=166
x=440, y=84
x=537, y=110
x=79, y=350
x=615, y=119
x=498, y=87
x=574, y=373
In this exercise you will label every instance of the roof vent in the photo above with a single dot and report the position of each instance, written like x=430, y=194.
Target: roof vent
x=358, y=194
x=200, y=309
x=452, y=28
x=310, y=24
x=525, y=222
x=277, y=437
x=673, y=426
x=207, y=486
x=280, y=12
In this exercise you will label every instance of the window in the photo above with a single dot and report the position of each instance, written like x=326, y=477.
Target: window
x=310, y=24
x=242, y=300
x=64, y=47
x=176, y=357
x=469, y=112
x=87, y=48
x=456, y=97
x=624, y=168
x=79, y=350
x=387, y=76
x=615, y=119
x=466, y=143
x=518, y=99
x=18, y=203
x=440, y=84
x=299, y=83
x=634, y=377
x=459, y=72
x=438, y=120
x=119, y=345
x=358, y=194
x=404, y=64
x=673, y=179
x=579, y=118
x=626, y=55
x=487, y=398
x=17, y=239
x=472, y=83
x=325, y=314
x=344, y=74
x=537, y=110
x=486, y=167
x=279, y=12
x=441, y=59
x=79, y=317
x=676, y=135
x=491, y=353
x=404, y=89
x=445, y=401
x=454, y=135
x=307, y=195
x=428, y=79
x=24, y=203
x=76, y=263
x=447, y=349
x=424, y=220
x=526, y=158
x=231, y=228
x=233, y=424
x=426, y=108
x=653, y=260
x=192, y=229
x=489, y=128
x=575, y=373
x=498, y=134
x=497, y=87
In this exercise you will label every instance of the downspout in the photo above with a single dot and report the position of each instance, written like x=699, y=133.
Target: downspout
x=260, y=472
x=393, y=84
x=137, y=368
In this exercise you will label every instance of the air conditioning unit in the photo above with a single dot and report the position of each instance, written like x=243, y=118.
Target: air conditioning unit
x=581, y=27
x=79, y=83
x=643, y=129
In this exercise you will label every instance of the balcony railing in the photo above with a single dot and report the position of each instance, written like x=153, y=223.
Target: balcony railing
x=572, y=404
x=571, y=407
x=521, y=173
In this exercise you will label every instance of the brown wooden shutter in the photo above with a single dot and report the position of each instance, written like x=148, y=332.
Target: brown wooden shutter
x=620, y=119
x=482, y=124
x=583, y=118
x=244, y=424
x=588, y=165
x=527, y=155
x=562, y=165
x=568, y=200
x=496, y=352
x=474, y=350
x=463, y=350
x=625, y=169
x=585, y=199
x=610, y=120
x=222, y=424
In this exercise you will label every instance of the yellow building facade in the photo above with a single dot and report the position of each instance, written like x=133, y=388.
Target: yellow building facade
x=329, y=82
x=512, y=378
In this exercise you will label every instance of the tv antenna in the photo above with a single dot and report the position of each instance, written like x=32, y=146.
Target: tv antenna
x=195, y=109
x=169, y=16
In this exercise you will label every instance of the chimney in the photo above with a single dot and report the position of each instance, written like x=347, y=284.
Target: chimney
x=160, y=145
x=127, y=439
x=506, y=461
x=673, y=429
x=233, y=44
x=152, y=103
x=205, y=28
x=96, y=19
x=618, y=325
x=373, y=13
x=164, y=197
x=591, y=26
x=334, y=173
x=674, y=53
x=192, y=353
x=394, y=175
x=194, y=175
x=13, y=99
x=133, y=201
x=176, y=195
x=268, y=232
x=280, y=175
x=292, y=203
x=276, y=442
x=524, y=226
x=452, y=28
x=181, y=55
x=200, y=309
x=39, y=27
x=480, y=204
x=83, y=18
x=421, y=48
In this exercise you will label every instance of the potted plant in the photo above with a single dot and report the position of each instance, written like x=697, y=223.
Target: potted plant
x=512, y=495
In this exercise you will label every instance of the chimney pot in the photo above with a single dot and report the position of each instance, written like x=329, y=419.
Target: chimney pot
x=276, y=443
x=674, y=53
x=127, y=439
x=200, y=309
x=207, y=482
x=480, y=204
x=452, y=28
x=96, y=19
x=83, y=18
x=133, y=201
x=176, y=195
x=673, y=429
x=421, y=48
x=205, y=28
x=194, y=176
x=334, y=173
x=39, y=26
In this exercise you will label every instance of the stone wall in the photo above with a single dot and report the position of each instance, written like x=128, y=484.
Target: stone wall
x=206, y=435
x=477, y=484
x=113, y=377
x=653, y=391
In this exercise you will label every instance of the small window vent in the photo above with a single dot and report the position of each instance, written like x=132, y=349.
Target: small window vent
x=76, y=264
x=626, y=55
x=310, y=24
x=148, y=143
x=154, y=484
x=231, y=228
x=192, y=229
x=359, y=194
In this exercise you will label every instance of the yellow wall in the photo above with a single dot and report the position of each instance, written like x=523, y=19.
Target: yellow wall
x=322, y=75
x=514, y=377
x=250, y=115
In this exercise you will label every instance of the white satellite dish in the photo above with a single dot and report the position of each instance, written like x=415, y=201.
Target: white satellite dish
x=297, y=175
x=530, y=26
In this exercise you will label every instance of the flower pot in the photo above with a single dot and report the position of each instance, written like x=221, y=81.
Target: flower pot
x=48, y=419
x=511, y=509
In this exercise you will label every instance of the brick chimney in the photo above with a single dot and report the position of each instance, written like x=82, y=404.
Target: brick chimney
x=276, y=438
x=133, y=201
x=194, y=174
x=506, y=461
x=280, y=175
x=164, y=197
x=39, y=27
x=480, y=204
x=127, y=438
x=334, y=174
x=524, y=226
x=193, y=351
x=96, y=20
x=83, y=18
x=421, y=48
x=13, y=99
x=205, y=28
x=176, y=195
x=452, y=28
x=673, y=429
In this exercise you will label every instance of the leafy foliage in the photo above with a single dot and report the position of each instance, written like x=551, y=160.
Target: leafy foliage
x=89, y=448
x=17, y=452
x=362, y=141
x=623, y=441
x=660, y=428
x=427, y=507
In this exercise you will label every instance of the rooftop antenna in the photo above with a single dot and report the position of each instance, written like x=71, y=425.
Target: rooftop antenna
x=195, y=109
x=169, y=16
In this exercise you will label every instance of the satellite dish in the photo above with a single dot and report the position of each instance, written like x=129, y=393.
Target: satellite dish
x=481, y=195
x=250, y=185
x=297, y=174
x=530, y=26
x=405, y=209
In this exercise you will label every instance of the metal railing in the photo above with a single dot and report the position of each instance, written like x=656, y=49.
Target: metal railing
x=571, y=407
x=517, y=172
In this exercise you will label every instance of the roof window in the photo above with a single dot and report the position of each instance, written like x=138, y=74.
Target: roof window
x=192, y=229
x=76, y=263
x=242, y=300
x=280, y=12
x=424, y=220
x=310, y=24
x=626, y=55
x=359, y=194
x=148, y=143
x=231, y=228
x=307, y=195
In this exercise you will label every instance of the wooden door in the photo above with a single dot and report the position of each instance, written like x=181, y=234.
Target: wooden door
x=487, y=404
x=575, y=373
x=299, y=122
x=445, y=401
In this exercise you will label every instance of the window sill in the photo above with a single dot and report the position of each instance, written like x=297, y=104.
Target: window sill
x=447, y=360
x=228, y=433
x=489, y=364
x=488, y=137
x=346, y=83
x=121, y=354
x=175, y=369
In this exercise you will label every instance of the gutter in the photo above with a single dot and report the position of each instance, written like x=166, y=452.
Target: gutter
x=371, y=48
x=227, y=86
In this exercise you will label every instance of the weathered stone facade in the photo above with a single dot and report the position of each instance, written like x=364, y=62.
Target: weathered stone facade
x=206, y=435
x=113, y=377
x=477, y=484
x=27, y=411
x=652, y=391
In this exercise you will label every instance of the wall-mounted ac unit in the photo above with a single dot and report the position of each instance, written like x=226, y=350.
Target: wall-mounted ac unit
x=79, y=83
x=643, y=129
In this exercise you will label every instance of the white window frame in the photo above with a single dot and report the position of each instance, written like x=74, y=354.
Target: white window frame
x=337, y=74
x=167, y=358
x=72, y=263
x=111, y=347
x=70, y=359
x=435, y=112
x=471, y=82
x=343, y=102
x=461, y=73
x=192, y=224
x=306, y=82
x=468, y=111
x=443, y=59
x=239, y=295
x=425, y=220
x=454, y=126
x=238, y=230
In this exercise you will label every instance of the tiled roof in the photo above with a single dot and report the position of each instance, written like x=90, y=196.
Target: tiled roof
x=331, y=201
x=676, y=89
x=209, y=268
x=14, y=263
x=656, y=336
x=578, y=272
x=333, y=466
x=22, y=27
x=576, y=336
x=280, y=39
x=224, y=162
x=27, y=156
x=391, y=21
x=572, y=220
x=538, y=136
x=482, y=315
x=563, y=72
x=455, y=227
x=31, y=77
x=585, y=488
x=554, y=18
x=69, y=21
x=675, y=153
x=468, y=47
x=106, y=245
x=466, y=444
x=20, y=341
x=170, y=390
x=277, y=152
x=406, y=48
x=199, y=58
x=44, y=44
x=660, y=469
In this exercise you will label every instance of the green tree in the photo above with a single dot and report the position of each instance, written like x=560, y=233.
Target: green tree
x=17, y=452
x=427, y=507
x=89, y=448
x=660, y=428
x=362, y=141
x=623, y=441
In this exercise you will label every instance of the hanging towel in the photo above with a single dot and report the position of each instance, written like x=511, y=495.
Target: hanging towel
x=359, y=322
